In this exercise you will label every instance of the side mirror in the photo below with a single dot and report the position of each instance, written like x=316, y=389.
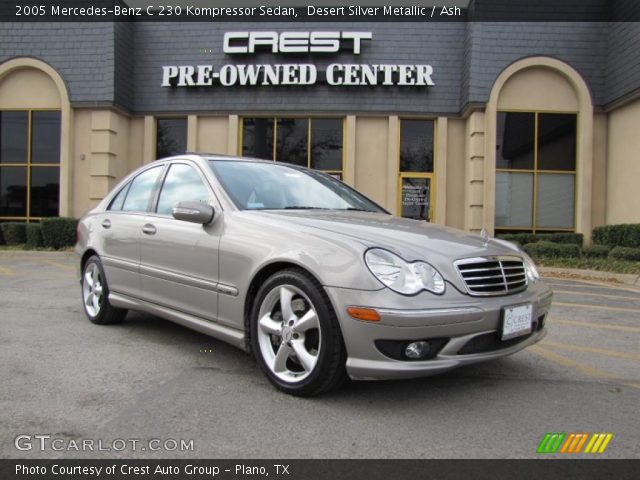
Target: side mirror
x=194, y=212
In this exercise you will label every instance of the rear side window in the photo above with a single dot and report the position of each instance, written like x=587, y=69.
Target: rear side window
x=182, y=184
x=118, y=201
x=140, y=191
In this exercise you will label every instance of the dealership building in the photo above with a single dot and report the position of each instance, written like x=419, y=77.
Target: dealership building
x=500, y=125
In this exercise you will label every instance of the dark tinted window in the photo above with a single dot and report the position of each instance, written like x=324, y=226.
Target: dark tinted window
x=45, y=191
x=416, y=146
x=13, y=191
x=14, y=135
x=557, y=141
x=181, y=184
x=31, y=190
x=515, y=140
x=293, y=140
x=326, y=143
x=257, y=138
x=171, y=137
x=45, y=137
x=140, y=191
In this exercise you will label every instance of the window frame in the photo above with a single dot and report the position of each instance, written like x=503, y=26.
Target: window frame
x=153, y=208
x=309, y=119
x=28, y=218
x=535, y=171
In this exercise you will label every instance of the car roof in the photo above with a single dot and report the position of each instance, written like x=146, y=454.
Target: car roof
x=217, y=156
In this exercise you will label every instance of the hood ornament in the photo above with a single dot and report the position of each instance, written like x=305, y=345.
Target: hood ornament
x=485, y=236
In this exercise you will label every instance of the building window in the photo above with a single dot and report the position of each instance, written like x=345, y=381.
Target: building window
x=171, y=137
x=308, y=142
x=416, y=169
x=29, y=164
x=535, y=171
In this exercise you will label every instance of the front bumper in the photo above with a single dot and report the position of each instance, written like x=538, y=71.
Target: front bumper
x=459, y=318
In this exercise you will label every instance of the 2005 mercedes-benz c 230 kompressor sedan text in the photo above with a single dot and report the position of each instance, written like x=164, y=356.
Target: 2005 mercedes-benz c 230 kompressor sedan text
x=318, y=281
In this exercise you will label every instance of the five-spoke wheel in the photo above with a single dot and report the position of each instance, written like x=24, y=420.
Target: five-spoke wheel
x=92, y=289
x=289, y=333
x=95, y=294
x=295, y=335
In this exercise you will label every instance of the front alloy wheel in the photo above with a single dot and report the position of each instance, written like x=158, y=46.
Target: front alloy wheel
x=289, y=333
x=295, y=335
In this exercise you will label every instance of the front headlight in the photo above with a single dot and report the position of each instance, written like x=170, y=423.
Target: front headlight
x=530, y=268
x=401, y=276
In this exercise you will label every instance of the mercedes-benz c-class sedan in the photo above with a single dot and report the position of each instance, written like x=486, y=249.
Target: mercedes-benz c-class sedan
x=317, y=281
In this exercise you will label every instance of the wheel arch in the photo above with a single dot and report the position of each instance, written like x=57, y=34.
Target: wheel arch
x=86, y=256
x=258, y=279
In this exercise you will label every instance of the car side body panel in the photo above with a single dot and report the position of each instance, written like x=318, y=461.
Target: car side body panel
x=114, y=236
x=179, y=265
x=252, y=242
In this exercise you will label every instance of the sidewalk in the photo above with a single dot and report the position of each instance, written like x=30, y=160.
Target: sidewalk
x=575, y=274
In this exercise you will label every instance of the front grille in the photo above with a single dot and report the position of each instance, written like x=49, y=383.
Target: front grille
x=484, y=276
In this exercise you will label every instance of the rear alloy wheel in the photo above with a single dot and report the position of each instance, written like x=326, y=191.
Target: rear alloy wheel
x=295, y=335
x=95, y=295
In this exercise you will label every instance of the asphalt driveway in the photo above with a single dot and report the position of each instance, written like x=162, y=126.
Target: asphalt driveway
x=150, y=379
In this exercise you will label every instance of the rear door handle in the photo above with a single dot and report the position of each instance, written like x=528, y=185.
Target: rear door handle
x=106, y=223
x=149, y=229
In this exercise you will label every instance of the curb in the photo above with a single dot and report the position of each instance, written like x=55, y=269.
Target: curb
x=40, y=253
x=624, y=278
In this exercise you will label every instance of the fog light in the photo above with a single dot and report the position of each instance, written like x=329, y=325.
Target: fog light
x=416, y=350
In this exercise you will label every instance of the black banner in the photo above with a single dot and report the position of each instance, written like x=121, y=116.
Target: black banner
x=319, y=469
x=329, y=11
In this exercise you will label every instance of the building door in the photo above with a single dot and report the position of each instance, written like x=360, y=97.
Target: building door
x=416, y=174
x=416, y=196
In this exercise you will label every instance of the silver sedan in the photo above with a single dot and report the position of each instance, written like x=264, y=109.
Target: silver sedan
x=317, y=281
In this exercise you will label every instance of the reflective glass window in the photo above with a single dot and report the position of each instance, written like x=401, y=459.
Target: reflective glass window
x=140, y=191
x=171, y=137
x=416, y=146
x=181, y=184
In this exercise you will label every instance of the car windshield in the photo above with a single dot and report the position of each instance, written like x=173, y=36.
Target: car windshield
x=271, y=186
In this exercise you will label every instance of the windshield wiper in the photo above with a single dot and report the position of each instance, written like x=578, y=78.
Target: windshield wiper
x=302, y=207
x=355, y=209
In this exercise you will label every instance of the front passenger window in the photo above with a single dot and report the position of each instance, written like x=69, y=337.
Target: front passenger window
x=182, y=184
x=118, y=200
x=140, y=191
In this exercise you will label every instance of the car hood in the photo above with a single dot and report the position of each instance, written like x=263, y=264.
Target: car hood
x=411, y=239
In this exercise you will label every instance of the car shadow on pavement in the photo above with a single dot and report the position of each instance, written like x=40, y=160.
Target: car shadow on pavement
x=217, y=355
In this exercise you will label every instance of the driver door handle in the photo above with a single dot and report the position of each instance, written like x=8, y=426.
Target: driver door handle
x=106, y=223
x=149, y=229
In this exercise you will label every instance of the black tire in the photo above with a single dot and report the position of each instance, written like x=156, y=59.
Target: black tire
x=329, y=371
x=105, y=314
